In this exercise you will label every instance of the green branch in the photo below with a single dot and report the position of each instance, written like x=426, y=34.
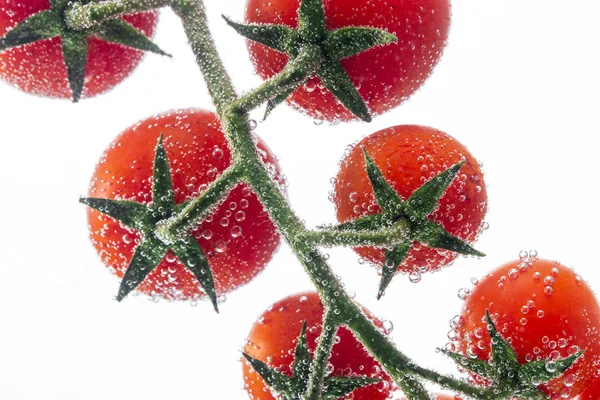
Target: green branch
x=388, y=237
x=322, y=354
x=294, y=74
x=83, y=16
x=193, y=16
x=179, y=225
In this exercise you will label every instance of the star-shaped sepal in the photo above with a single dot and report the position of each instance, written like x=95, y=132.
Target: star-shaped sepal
x=144, y=219
x=295, y=387
x=414, y=212
x=51, y=23
x=506, y=375
x=335, y=44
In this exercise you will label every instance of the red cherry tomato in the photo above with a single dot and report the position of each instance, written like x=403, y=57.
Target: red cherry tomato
x=385, y=76
x=274, y=336
x=408, y=156
x=39, y=67
x=593, y=391
x=544, y=310
x=238, y=237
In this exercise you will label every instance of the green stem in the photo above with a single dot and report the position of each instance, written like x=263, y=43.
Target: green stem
x=394, y=362
x=327, y=284
x=294, y=74
x=382, y=238
x=193, y=16
x=322, y=354
x=181, y=223
x=83, y=16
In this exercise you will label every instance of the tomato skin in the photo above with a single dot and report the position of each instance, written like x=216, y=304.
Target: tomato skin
x=38, y=68
x=385, y=76
x=408, y=156
x=539, y=322
x=593, y=391
x=197, y=152
x=274, y=336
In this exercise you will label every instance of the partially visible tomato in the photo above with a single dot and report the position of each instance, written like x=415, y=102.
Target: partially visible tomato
x=238, y=237
x=545, y=310
x=593, y=391
x=274, y=336
x=385, y=76
x=39, y=67
x=409, y=156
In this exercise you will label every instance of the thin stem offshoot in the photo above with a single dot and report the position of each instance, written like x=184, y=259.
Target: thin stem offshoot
x=83, y=16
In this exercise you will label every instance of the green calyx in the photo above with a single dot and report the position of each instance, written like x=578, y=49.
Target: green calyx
x=413, y=213
x=506, y=375
x=51, y=23
x=145, y=219
x=295, y=387
x=335, y=45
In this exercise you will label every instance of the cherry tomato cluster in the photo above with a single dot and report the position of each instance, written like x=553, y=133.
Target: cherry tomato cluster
x=543, y=309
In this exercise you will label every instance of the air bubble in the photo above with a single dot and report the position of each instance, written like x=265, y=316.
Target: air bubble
x=236, y=231
x=388, y=326
x=218, y=153
x=220, y=246
x=533, y=254
x=551, y=366
x=251, y=124
x=240, y=216
x=523, y=267
x=414, y=276
x=310, y=86
x=463, y=293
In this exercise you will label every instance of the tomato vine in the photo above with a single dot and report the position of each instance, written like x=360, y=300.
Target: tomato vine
x=248, y=167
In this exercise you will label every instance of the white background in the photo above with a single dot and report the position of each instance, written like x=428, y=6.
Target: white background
x=518, y=84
